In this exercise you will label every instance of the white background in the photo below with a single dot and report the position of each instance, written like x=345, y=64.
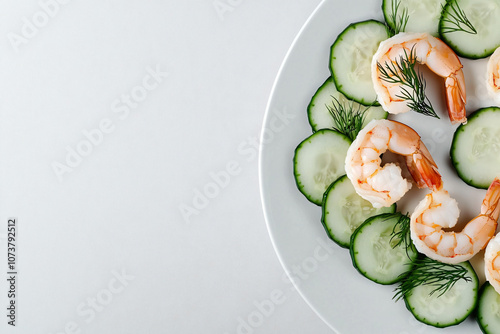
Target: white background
x=117, y=210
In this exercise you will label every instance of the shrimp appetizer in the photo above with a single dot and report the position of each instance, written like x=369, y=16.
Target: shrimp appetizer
x=383, y=186
x=493, y=73
x=438, y=211
x=427, y=50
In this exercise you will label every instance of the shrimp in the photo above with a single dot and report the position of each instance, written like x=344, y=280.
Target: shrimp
x=493, y=73
x=438, y=211
x=428, y=50
x=492, y=262
x=383, y=186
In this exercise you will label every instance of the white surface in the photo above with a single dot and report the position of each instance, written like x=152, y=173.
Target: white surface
x=326, y=278
x=118, y=210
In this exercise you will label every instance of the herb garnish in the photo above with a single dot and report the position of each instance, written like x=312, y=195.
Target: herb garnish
x=412, y=82
x=441, y=276
x=401, y=233
x=399, y=21
x=457, y=20
x=347, y=118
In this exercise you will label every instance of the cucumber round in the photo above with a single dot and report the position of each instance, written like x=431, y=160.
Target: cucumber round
x=376, y=254
x=475, y=149
x=318, y=161
x=422, y=16
x=488, y=309
x=350, y=60
x=319, y=115
x=483, y=15
x=448, y=309
x=344, y=211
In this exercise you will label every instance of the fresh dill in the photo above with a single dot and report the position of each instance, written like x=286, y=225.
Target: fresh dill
x=412, y=82
x=347, y=118
x=399, y=21
x=456, y=20
x=440, y=276
x=400, y=235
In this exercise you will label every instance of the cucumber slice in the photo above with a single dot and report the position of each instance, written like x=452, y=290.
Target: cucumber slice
x=344, y=210
x=423, y=16
x=376, y=255
x=483, y=15
x=488, y=309
x=318, y=161
x=475, y=149
x=319, y=115
x=351, y=57
x=448, y=309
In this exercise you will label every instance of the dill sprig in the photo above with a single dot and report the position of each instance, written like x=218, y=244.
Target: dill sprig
x=347, y=119
x=441, y=276
x=401, y=233
x=412, y=82
x=399, y=21
x=457, y=20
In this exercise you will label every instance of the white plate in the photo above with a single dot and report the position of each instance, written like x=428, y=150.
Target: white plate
x=322, y=271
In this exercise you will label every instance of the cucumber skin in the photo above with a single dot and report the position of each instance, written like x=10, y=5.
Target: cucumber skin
x=476, y=313
x=334, y=77
x=483, y=327
x=323, y=214
x=456, y=163
x=453, y=147
x=442, y=35
x=391, y=25
x=319, y=203
x=315, y=127
x=352, y=251
x=457, y=321
x=457, y=50
x=311, y=105
x=386, y=18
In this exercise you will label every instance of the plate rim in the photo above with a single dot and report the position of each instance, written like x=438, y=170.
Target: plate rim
x=267, y=113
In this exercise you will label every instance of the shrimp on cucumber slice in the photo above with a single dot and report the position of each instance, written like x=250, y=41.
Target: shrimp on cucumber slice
x=384, y=185
x=438, y=211
x=420, y=48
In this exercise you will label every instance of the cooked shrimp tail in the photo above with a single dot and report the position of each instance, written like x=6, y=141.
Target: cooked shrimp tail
x=455, y=97
x=490, y=205
x=423, y=169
